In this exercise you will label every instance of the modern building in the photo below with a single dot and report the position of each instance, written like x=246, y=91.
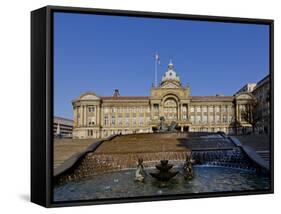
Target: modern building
x=100, y=116
x=249, y=87
x=262, y=94
x=62, y=127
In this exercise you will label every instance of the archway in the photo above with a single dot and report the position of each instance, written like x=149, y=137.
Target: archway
x=170, y=109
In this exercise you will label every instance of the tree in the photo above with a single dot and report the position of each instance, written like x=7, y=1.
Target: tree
x=251, y=114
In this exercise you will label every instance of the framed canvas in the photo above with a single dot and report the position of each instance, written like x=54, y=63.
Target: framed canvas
x=134, y=106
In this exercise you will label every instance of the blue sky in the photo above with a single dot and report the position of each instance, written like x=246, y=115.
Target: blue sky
x=100, y=53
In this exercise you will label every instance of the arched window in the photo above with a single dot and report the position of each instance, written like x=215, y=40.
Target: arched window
x=170, y=109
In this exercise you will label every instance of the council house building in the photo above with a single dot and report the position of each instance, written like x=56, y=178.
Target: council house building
x=101, y=116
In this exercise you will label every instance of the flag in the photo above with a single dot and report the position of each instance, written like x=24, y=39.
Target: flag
x=157, y=58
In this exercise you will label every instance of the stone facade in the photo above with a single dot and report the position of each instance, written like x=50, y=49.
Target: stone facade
x=262, y=94
x=97, y=117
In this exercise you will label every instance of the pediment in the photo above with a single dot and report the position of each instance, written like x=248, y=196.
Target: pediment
x=89, y=96
x=244, y=96
x=170, y=85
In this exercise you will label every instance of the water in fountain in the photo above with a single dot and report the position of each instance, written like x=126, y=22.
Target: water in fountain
x=219, y=166
x=164, y=173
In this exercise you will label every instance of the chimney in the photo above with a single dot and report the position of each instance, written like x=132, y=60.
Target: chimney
x=116, y=93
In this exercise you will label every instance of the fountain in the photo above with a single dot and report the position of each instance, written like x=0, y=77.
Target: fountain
x=164, y=174
x=211, y=163
x=164, y=127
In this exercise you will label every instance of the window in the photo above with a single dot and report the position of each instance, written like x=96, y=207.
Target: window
x=217, y=109
x=191, y=109
x=91, y=109
x=217, y=118
x=113, y=120
x=134, y=121
x=204, y=109
x=242, y=108
x=211, y=119
x=204, y=119
x=105, y=120
x=198, y=109
x=155, y=106
x=119, y=121
x=211, y=109
x=148, y=119
x=229, y=109
x=192, y=118
x=141, y=121
x=224, y=119
x=198, y=119
x=90, y=132
x=91, y=121
x=127, y=121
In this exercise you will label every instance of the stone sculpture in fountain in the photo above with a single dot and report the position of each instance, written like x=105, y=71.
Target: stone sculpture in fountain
x=164, y=173
x=188, y=172
x=140, y=172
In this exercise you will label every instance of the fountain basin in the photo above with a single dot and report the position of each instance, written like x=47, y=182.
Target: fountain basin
x=119, y=184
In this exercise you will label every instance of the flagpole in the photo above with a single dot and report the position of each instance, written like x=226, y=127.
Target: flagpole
x=155, y=67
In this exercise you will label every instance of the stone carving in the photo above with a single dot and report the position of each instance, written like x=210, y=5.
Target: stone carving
x=163, y=127
x=164, y=174
x=140, y=172
x=188, y=168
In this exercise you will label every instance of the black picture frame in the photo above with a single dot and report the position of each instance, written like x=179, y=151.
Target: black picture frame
x=42, y=102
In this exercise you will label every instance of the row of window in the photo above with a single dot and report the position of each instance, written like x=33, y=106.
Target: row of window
x=112, y=120
x=141, y=109
x=125, y=121
x=144, y=109
x=211, y=108
x=205, y=129
x=205, y=119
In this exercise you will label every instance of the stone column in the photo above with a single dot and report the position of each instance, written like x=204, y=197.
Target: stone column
x=179, y=109
x=221, y=107
x=82, y=115
x=98, y=115
x=236, y=112
x=75, y=116
x=187, y=112
x=195, y=114
x=239, y=111
x=202, y=114
x=214, y=114
x=152, y=111
x=160, y=109
x=208, y=116
x=85, y=115
x=227, y=114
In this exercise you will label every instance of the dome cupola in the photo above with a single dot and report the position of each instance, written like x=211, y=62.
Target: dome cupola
x=170, y=77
